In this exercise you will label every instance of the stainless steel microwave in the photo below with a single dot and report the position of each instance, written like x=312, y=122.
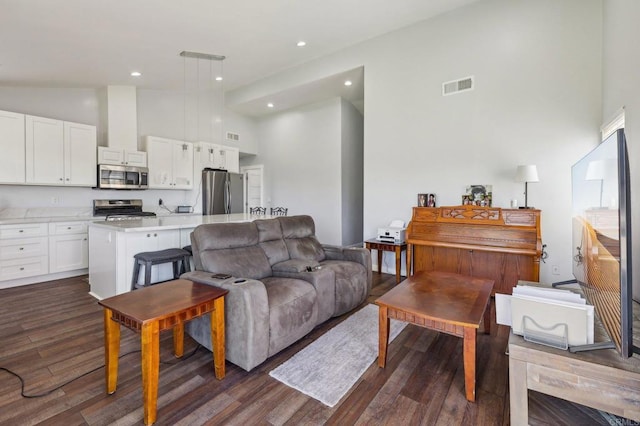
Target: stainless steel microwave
x=122, y=177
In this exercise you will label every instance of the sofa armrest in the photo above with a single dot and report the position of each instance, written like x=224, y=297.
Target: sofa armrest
x=353, y=254
x=246, y=319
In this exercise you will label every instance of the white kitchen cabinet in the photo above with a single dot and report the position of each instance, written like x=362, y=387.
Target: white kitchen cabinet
x=23, y=250
x=219, y=157
x=170, y=163
x=59, y=153
x=44, y=150
x=118, y=156
x=12, y=160
x=79, y=154
x=232, y=159
x=68, y=246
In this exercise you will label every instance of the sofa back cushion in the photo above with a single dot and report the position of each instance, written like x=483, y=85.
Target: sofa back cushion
x=299, y=233
x=230, y=248
x=270, y=237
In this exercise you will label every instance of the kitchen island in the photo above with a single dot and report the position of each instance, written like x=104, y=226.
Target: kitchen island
x=112, y=245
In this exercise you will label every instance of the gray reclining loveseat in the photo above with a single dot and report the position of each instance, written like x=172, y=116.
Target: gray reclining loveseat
x=282, y=283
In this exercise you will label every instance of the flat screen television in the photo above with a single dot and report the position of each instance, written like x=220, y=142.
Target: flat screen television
x=602, y=237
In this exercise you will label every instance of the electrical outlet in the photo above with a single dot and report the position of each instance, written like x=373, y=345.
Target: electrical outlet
x=160, y=202
x=555, y=270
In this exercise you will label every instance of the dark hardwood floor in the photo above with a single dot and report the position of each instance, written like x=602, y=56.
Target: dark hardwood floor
x=51, y=333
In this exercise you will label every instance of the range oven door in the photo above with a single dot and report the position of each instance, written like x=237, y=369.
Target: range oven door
x=122, y=177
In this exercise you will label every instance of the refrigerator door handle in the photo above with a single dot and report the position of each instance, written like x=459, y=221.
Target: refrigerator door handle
x=227, y=191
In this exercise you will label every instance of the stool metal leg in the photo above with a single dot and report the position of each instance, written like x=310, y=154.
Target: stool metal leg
x=134, y=276
x=147, y=273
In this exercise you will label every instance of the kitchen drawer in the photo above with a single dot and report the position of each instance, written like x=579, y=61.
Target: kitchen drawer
x=21, y=268
x=66, y=228
x=21, y=248
x=23, y=230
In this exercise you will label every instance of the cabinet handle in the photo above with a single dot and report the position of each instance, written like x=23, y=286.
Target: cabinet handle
x=155, y=235
x=68, y=227
x=84, y=239
x=22, y=268
x=61, y=179
x=148, y=235
x=21, y=230
x=21, y=248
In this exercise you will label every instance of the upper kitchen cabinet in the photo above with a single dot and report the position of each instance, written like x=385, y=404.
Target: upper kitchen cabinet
x=219, y=157
x=121, y=157
x=59, y=153
x=170, y=163
x=12, y=160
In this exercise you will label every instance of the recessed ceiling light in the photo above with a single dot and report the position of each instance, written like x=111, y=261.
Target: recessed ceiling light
x=348, y=83
x=136, y=74
x=301, y=43
x=218, y=78
x=270, y=105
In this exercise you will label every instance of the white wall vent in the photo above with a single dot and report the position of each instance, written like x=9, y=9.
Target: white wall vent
x=457, y=86
x=233, y=136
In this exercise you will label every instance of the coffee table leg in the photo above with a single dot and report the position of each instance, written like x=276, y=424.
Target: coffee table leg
x=150, y=365
x=111, y=351
x=217, y=337
x=178, y=340
x=469, y=355
x=383, y=336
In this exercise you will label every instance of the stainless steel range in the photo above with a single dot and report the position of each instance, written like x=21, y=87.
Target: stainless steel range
x=120, y=209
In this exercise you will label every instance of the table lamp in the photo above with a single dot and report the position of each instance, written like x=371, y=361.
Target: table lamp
x=527, y=174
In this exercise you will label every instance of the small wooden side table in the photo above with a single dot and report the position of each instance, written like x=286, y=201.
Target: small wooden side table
x=151, y=310
x=396, y=248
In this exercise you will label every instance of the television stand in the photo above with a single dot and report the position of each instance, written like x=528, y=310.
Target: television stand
x=599, y=379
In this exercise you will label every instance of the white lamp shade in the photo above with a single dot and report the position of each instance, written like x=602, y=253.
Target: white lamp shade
x=595, y=170
x=527, y=174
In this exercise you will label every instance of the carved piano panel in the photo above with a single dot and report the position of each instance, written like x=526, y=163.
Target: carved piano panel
x=501, y=244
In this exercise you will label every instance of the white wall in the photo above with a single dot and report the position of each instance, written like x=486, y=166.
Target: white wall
x=621, y=87
x=352, y=152
x=537, y=68
x=299, y=149
x=164, y=112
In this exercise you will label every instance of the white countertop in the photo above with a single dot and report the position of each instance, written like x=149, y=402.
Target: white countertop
x=176, y=221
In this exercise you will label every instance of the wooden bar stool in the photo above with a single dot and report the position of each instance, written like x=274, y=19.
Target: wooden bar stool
x=179, y=258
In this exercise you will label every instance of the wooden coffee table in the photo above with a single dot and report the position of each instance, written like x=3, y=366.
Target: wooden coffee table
x=442, y=301
x=151, y=310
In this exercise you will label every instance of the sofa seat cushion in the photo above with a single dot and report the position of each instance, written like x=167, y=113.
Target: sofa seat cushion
x=293, y=311
x=351, y=284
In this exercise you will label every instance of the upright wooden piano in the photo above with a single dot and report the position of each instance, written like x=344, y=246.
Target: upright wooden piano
x=487, y=242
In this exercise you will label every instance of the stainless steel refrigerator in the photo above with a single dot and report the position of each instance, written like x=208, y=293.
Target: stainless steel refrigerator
x=222, y=192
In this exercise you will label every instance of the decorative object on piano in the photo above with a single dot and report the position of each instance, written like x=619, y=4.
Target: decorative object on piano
x=526, y=174
x=426, y=200
x=478, y=195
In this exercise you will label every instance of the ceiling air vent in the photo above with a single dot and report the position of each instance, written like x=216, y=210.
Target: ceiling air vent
x=233, y=136
x=457, y=86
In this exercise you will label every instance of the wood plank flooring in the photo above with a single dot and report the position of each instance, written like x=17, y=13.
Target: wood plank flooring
x=52, y=332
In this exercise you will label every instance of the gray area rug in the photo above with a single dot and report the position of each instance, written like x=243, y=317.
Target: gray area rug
x=331, y=365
